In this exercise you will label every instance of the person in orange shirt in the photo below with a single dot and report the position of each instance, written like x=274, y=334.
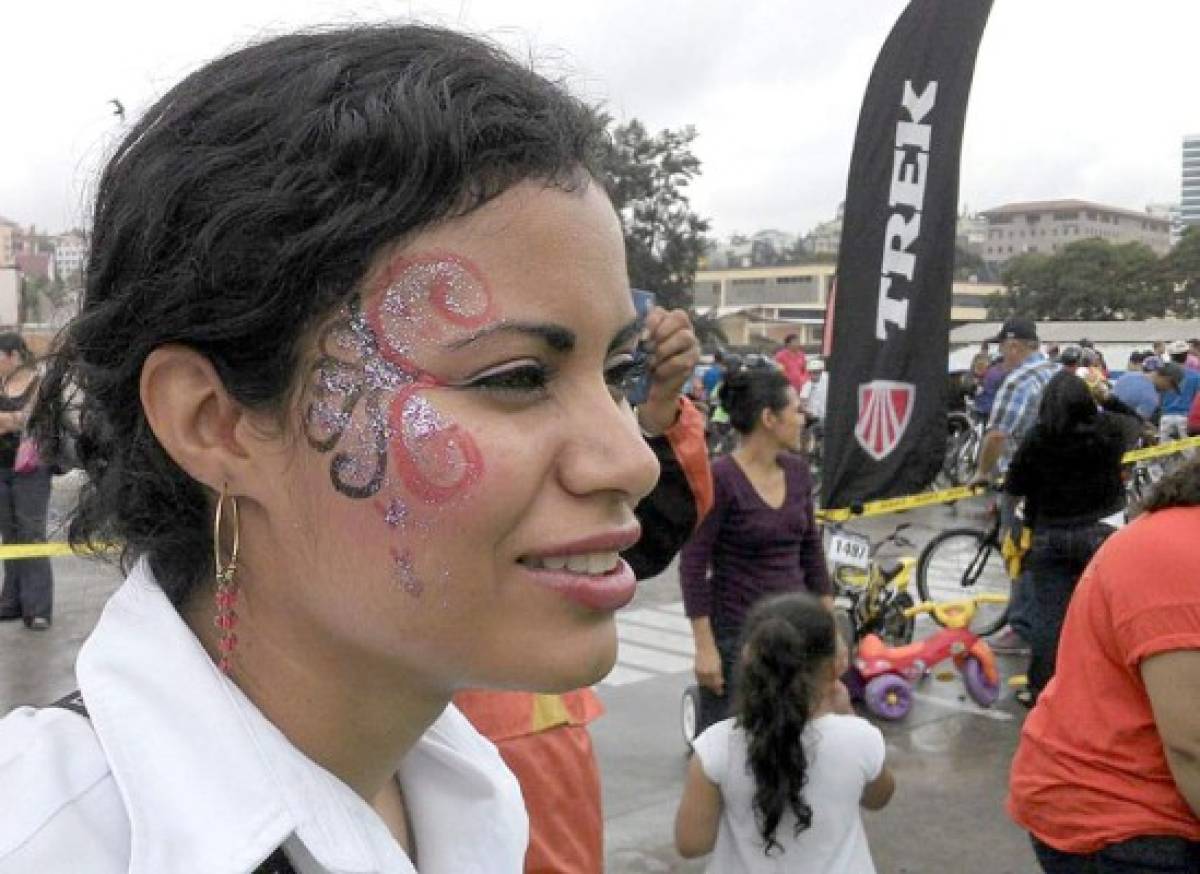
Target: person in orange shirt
x=1107, y=775
x=792, y=360
x=544, y=739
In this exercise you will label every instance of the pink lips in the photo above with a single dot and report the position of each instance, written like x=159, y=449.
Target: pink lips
x=609, y=591
x=601, y=592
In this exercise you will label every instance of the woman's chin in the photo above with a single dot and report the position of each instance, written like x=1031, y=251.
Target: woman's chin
x=580, y=666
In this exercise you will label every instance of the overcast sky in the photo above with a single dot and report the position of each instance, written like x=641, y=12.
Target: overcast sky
x=1072, y=98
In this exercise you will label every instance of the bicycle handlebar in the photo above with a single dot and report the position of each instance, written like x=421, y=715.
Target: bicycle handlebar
x=955, y=614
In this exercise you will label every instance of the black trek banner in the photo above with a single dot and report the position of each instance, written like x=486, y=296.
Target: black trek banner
x=885, y=428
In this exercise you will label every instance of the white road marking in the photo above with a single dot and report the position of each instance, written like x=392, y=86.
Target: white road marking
x=656, y=619
x=653, y=659
x=622, y=675
x=654, y=641
x=656, y=637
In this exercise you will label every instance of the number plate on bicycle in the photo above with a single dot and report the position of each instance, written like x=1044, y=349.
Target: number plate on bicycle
x=853, y=550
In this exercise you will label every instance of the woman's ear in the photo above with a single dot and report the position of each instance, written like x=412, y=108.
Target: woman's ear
x=192, y=415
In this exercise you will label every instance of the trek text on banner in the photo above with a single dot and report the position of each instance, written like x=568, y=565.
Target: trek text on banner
x=885, y=425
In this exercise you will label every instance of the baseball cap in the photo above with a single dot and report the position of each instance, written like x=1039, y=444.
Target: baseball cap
x=1016, y=328
x=1070, y=355
x=1151, y=363
x=1169, y=369
x=1178, y=347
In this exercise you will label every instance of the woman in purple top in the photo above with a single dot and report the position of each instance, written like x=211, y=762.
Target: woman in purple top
x=761, y=536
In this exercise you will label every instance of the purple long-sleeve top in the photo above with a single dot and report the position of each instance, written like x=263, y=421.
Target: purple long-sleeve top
x=751, y=548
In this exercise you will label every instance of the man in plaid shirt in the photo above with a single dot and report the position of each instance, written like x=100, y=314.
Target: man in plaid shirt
x=1015, y=409
x=1013, y=415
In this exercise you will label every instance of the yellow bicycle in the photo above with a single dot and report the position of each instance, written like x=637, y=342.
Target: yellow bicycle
x=871, y=595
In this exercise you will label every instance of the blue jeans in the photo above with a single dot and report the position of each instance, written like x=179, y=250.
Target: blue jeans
x=28, y=582
x=1053, y=566
x=1152, y=854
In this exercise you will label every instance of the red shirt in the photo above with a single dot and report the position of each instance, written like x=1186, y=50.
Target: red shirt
x=1090, y=770
x=795, y=366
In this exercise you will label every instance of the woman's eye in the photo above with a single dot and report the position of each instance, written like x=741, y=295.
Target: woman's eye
x=526, y=379
x=623, y=377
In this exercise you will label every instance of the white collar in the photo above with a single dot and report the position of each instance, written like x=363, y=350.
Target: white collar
x=210, y=785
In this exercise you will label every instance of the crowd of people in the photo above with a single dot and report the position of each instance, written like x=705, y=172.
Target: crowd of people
x=350, y=383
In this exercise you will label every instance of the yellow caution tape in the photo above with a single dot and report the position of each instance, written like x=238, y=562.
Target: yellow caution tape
x=884, y=506
x=41, y=550
x=1160, y=450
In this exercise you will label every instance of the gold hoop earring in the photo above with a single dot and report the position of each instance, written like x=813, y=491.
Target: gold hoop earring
x=226, y=579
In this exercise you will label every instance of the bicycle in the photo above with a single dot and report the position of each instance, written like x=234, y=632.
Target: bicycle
x=871, y=595
x=965, y=561
x=962, y=448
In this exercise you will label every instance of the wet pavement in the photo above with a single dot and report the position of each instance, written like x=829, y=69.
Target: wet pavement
x=950, y=757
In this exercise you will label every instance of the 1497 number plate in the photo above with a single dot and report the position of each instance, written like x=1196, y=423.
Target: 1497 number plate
x=850, y=549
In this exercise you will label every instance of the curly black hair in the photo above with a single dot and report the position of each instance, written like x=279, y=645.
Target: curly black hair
x=748, y=391
x=246, y=206
x=787, y=641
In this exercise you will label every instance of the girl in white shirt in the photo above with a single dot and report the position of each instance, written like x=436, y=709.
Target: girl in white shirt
x=351, y=364
x=778, y=787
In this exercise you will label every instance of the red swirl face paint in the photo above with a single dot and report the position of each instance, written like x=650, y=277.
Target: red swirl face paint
x=435, y=459
x=424, y=298
x=370, y=406
x=368, y=353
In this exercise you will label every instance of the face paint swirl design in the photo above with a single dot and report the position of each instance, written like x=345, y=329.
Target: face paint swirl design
x=366, y=356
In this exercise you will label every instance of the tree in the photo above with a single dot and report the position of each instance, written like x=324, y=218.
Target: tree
x=967, y=264
x=647, y=178
x=1088, y=280
x=1181, y=269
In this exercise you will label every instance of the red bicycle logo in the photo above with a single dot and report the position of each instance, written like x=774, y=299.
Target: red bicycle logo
x=884, y=410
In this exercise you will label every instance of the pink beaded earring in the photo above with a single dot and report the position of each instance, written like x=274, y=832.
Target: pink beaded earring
x=227, y=590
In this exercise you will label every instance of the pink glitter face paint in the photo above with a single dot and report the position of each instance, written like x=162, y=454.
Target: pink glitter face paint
x=436, y=459
x=366, y=356
x=405, y=572
x=424, y=299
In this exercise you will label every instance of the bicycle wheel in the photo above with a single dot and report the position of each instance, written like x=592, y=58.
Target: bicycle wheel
x=962, y=562
x=968, y=456
x=958, y=436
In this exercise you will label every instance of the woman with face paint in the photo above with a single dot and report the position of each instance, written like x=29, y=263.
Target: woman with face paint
x=352, y=356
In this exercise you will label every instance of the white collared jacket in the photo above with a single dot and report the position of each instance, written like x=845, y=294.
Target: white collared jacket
x=177, y=771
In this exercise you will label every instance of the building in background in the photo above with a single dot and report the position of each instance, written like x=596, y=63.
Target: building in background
x=70, y=249
x=1046, y=226
x=1172, y=213
x=1189, y=204
x=826, y=238
x=970, y=232
x=764, y=304
x=8, y=234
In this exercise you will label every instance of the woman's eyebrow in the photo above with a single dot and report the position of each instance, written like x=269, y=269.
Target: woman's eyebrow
x=557, y=337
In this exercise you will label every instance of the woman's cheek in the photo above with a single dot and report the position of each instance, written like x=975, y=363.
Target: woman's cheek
x=437, y=460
